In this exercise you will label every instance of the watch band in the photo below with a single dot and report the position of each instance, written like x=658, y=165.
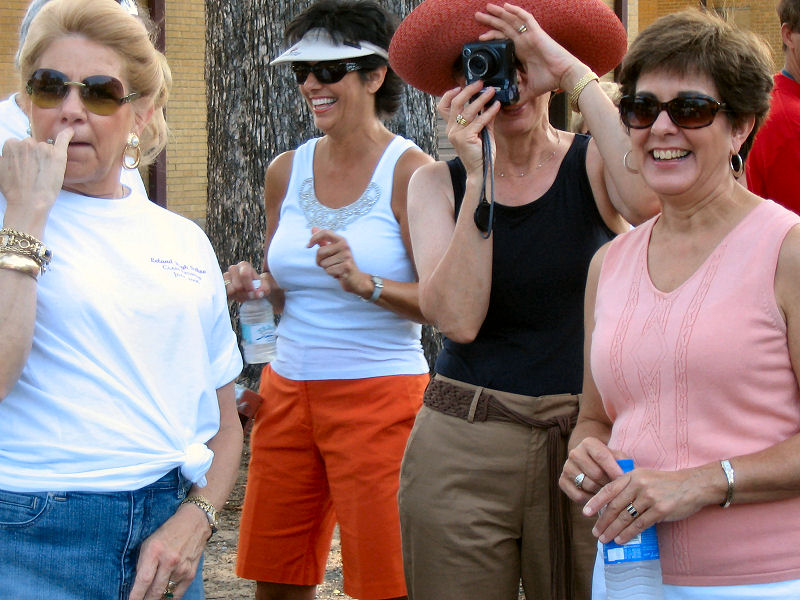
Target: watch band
x=376, y=292
x=208, y=508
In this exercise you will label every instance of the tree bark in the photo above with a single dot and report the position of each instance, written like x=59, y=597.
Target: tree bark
x=255, y=113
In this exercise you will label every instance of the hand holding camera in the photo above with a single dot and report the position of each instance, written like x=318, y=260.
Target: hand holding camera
x=546, y=63
x=492, y=62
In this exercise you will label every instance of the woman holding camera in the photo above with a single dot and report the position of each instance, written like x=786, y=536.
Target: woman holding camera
x=479, y=502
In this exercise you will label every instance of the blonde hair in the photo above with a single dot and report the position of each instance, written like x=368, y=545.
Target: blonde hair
x=105, y=22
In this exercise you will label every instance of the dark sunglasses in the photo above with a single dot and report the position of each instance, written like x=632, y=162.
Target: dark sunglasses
x=100, y=94
x=325, y=72
x=688, y=112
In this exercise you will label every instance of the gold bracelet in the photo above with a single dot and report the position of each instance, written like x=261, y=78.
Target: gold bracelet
x=205, y=505
x=17, y=262
x=26, y=245
x=575, y=94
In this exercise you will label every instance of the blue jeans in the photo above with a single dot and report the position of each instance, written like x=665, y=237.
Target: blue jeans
x=82, y=546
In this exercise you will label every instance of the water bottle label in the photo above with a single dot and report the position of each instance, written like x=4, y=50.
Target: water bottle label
x=642, y=547
x=258, y=333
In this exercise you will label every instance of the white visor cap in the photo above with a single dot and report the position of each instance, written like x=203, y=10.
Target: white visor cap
x=318, y=45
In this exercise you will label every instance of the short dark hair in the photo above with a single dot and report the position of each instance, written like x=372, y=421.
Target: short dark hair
x=355, y=21
x=789, y=12
x=700, y=42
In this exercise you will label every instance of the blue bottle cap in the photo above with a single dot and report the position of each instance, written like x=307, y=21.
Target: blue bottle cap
x=626, y=464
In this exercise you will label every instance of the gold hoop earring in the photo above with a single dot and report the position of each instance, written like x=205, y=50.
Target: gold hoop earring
x=625, y=162
x=132, y=155
x=737, y=165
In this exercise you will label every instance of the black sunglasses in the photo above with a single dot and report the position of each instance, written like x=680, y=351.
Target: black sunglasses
x=687, y=112
x=100, y=94
x=325, y=72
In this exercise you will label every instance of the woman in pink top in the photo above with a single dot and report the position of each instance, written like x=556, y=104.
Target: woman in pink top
x=693, y=331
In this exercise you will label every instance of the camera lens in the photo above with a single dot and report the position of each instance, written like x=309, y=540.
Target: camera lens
x=480, y=63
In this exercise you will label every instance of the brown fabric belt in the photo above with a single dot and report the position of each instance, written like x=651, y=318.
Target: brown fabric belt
x=480, y=405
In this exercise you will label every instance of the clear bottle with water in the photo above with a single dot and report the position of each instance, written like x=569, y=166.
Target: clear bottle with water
x=258, y=329
x=633, y=570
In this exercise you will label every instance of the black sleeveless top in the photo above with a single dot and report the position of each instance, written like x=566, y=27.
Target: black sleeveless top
x=531, y=342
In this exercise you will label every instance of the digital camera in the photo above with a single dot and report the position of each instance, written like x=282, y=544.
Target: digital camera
x=492, y=62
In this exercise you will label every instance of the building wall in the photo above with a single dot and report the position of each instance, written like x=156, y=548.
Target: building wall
x=11, y=13
x=187, y=149
x=757, y=15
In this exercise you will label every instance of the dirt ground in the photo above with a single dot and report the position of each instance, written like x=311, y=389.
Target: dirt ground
x=221, y=582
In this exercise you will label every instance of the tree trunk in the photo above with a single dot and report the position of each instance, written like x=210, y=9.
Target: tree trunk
x=255, y=113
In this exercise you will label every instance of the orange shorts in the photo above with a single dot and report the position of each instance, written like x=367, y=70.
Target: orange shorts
x=327, y=451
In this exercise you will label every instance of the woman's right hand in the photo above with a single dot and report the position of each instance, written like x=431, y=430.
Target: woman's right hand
x=239, y=282
x=598, y=464
x=31, y=176
x=466, y=137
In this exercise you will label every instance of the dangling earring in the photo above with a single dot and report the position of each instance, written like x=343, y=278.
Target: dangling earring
x=737, y=165
x=625, y=162
x=132, y=155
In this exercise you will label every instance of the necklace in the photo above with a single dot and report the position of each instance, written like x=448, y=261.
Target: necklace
x=538, y=165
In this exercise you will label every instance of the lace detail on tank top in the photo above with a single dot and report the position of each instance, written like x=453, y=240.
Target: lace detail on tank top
x=335, y=219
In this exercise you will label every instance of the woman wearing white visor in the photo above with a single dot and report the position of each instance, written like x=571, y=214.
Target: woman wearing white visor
x=341, y=396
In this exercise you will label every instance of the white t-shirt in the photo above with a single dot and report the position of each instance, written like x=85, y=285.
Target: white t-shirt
x=132, y=340
x=325, y=332
x=14, y=124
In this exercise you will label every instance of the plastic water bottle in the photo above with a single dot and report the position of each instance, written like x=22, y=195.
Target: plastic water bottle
x=258, y=329
x=633, y=570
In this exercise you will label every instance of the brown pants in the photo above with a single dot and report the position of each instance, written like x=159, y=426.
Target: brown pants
x=475, y=508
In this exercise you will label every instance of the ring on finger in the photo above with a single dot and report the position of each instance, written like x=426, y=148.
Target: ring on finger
x=632, y=510
x=579, y=480
x=461, y=120
x=227, y=283
x=522, y=28
x=169, y=591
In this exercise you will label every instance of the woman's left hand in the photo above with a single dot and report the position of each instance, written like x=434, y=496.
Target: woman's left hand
x=171, y=554
x=654, y=496
x=546, y=62
x=334, y=255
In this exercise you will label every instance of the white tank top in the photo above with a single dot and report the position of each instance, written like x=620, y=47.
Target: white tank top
x=325, y=332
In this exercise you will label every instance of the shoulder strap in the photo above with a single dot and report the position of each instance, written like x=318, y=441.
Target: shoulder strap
x=458, y=176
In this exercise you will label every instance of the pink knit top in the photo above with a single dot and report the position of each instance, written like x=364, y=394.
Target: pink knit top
x=700, y=374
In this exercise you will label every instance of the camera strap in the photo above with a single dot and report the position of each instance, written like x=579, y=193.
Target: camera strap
x=484, y=212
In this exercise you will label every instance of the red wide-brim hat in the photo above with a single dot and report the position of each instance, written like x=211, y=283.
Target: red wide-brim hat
x=428, y=42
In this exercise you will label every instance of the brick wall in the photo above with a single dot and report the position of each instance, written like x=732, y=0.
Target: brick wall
x=11, y=13
x=186, y=110
x=187, y=150
x=757, y=15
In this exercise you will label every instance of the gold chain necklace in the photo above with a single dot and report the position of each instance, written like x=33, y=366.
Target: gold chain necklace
x=540, y=164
